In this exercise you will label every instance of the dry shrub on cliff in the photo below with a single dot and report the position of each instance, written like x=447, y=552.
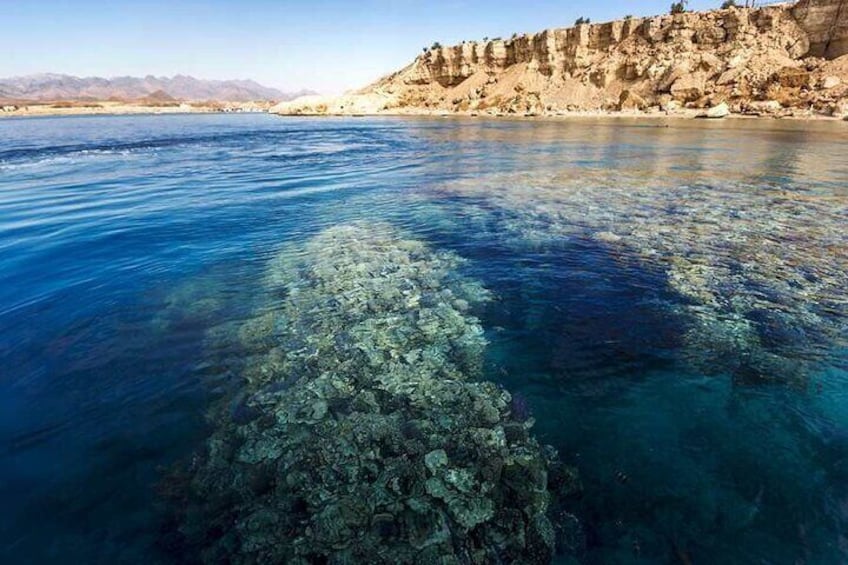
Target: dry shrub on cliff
x=679, y=7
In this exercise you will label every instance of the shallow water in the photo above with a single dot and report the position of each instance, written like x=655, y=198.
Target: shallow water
x=669, y=300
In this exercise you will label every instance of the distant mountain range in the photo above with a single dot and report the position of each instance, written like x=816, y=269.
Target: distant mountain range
x=180, y=87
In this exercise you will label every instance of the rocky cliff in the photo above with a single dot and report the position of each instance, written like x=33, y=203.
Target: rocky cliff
x=778, y=59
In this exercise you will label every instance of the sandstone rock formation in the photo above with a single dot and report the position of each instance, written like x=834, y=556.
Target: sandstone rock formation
x=782, y=54
x=826, y=25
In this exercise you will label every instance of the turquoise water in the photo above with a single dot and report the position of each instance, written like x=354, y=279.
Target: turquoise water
x=667, y=298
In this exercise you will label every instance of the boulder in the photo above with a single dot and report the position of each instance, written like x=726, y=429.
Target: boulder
x=710, y=34
x=668, y=105
x=764, y=107
x=831, y=82
x=629, y=100
x=671, y=76
x=730, y=76
x=688, y=88
x=792, y=77
x=718, y=111
x=710, y=62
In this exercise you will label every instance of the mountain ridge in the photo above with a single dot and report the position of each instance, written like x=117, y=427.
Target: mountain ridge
x=59, y=86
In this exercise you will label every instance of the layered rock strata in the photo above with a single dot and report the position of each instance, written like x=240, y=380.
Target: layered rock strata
x=764, y=60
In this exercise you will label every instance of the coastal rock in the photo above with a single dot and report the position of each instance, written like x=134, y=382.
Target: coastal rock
x=688, y=88
x=631, y=101
x=668, y=105
x=738, y=55
x=826, y=25
x=831, y=82
x=719, y=111
x=763, y=107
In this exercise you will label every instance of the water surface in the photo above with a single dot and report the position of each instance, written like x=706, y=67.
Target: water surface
x=669, y=298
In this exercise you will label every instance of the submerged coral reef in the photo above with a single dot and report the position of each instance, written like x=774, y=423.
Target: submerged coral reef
x=362, y=432
x=759, y=272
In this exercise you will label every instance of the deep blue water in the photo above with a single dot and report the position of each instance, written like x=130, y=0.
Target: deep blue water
x=670, y=299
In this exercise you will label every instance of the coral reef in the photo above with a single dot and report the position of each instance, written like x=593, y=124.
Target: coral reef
x=759, y=273
x=362, y=434
x=195, y=300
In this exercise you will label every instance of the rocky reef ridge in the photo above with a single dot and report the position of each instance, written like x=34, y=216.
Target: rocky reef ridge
x=784, y=59
x=363, y=432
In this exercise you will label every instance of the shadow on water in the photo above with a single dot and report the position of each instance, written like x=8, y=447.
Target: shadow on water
x=687, y=442
x=83, y=436
x=676, y=466
x=577, y=311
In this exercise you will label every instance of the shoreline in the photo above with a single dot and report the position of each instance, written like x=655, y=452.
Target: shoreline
x=109, y=108
x=792, y=114
x=575, y=114
x=580, y=114
x=786, y=61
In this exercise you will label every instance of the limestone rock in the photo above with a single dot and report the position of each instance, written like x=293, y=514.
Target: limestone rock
x=826, y=25
x=629, y=100
x=718, y=111
x=831, y=82
x=739, y=55
x=667, y=104
x=793, y=77
x=688, y=88
x=767, y=107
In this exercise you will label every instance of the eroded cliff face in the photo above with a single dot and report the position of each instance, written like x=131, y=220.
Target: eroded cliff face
x=766, y=60
x=826, y=25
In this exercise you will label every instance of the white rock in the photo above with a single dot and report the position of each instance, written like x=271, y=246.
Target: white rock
x=767, y=106
x=719, y=111
x=831, y=82
x=736, y=61
x=607, y=237
x=670, y=106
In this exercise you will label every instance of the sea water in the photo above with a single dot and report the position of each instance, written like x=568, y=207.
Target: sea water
x=667, y=297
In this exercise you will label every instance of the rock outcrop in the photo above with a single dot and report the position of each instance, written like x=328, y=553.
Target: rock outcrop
x=783, y=53
x=826, y=25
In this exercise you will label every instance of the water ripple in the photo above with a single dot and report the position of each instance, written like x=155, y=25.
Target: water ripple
x=669, y=300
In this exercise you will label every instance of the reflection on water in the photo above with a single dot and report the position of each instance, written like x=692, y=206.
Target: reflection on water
x=665, y=300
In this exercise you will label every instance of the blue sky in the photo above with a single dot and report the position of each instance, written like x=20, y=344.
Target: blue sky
x=325, y=45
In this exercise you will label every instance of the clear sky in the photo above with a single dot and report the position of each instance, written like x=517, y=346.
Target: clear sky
x=325, y=45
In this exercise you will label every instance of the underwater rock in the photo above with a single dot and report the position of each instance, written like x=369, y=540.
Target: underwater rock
x=368, y=438
x=193, y=302
x=728, y=253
